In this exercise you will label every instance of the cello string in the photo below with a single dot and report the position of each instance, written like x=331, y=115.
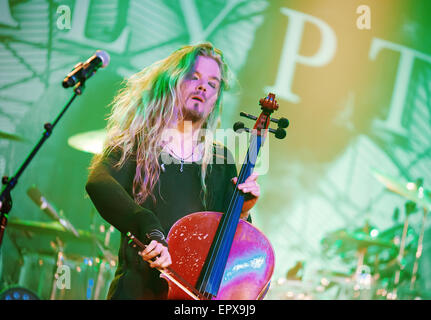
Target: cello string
x=227, y=221
x=221, y=250
x=231, y=222
x=216, y=248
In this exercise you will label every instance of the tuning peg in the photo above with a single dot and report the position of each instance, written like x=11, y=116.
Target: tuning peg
x=246, y=115
x=279, y=133
x=282, y=122
x=239, y=127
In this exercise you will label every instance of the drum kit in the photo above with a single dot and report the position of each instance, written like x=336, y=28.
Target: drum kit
x=58, y=261
x=385, y=263
x=375, y=264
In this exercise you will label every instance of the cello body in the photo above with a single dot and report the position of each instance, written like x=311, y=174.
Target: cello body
x=249, y=267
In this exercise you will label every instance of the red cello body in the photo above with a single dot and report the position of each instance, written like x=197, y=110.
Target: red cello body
x=249, y=267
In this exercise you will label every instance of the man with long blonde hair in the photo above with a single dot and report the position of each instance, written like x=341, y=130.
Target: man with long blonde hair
x=158, y=163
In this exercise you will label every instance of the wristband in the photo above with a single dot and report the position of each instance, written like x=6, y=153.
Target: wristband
x=158, y=236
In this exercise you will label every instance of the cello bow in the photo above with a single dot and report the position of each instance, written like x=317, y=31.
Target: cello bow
x=168, y=273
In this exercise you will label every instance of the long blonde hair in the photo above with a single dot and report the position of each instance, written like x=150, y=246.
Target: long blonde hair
x=146, y=105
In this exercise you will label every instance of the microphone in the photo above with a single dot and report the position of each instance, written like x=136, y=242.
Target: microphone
x=83, y=71
x=46, y=207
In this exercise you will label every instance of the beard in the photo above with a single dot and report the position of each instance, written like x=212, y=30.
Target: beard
x=193, y=114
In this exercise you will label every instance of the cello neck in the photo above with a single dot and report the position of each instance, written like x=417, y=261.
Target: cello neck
x=212, y=272
x=258, y=135
x=250, y=160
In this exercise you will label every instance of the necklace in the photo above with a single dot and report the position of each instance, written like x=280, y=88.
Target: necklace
x=181, y=158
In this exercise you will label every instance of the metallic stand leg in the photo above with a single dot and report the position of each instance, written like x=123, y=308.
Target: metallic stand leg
x=418, y=251
x=400, y=257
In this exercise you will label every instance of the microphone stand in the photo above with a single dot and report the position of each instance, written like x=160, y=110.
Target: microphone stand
x=10, y=183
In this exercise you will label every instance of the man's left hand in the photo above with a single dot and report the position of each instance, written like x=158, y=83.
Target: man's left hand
x=252, y=190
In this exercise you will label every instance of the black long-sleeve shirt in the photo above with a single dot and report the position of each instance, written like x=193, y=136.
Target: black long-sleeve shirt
x=177, y=194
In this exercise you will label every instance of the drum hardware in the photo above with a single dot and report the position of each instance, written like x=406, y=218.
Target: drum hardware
x=107, y=257
x=383, y=259
x=57, y=247
x=369, y=250
x=417, y=195
x=419, y=250
x=362, y=278
x=354, y=245
x=18, y=293
x=410, y=207
x=375, y=254
x=37, y=197
x=10, y=136
x=410, y=190
x=36, y=273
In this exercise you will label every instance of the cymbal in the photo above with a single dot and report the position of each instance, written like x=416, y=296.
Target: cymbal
x=395, y=231
x=54, y=228
x=358, y=239
x=23, y=232
x=9, y=136
x=408, y=190
x=381, y=250
x=91, y=141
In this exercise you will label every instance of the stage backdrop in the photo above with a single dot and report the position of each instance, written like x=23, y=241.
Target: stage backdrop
x=353, y=78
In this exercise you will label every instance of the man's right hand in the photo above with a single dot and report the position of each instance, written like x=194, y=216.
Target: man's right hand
x=156, y=249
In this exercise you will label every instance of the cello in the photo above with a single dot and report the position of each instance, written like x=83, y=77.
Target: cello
x=218, y=256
